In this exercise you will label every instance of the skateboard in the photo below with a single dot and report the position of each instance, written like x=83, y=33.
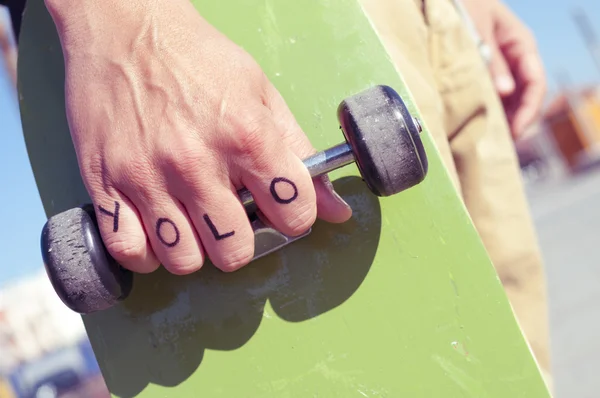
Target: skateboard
x=402, y=300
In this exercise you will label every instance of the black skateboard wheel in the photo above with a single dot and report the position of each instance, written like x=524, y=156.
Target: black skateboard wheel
x=385, y=140
x=85, y=277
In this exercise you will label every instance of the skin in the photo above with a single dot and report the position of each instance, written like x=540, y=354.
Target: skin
x=516, y=66
x=169, y=118
x=7, y=47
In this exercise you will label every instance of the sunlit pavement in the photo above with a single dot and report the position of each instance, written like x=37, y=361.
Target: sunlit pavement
x=567, y=217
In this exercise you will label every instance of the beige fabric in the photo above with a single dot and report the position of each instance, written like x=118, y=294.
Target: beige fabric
x=431, y=47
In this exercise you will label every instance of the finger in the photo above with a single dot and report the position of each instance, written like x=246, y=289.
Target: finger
x=278, y=180
x=168, y=227
x=519, y=48
x=532, y=96
x=221, y=222
x=500, y=72
x=122, y=230
x=330, y=206
x=498, y=68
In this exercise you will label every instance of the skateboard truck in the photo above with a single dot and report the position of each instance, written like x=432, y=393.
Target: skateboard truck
x=380, y=136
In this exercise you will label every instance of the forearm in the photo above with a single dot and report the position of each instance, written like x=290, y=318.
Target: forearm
x=105, y=27
x=15, y=8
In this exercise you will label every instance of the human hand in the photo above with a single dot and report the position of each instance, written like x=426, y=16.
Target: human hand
x=516, y=66
x=169, y=119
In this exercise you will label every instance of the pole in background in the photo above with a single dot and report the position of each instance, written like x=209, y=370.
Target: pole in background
x=588, y=34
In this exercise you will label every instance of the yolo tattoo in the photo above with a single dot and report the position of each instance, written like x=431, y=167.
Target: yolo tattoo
x=159, y=225
x=114, y=214
x=279, y=199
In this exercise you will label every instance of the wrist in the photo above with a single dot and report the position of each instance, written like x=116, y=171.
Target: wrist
x=80, y=16
x=93, y=22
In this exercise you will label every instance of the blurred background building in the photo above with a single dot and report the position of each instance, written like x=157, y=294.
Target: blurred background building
x=44, y=350
x=567, y=138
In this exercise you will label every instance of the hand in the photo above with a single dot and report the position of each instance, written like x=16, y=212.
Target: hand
x=169, y=119
x=516, y=66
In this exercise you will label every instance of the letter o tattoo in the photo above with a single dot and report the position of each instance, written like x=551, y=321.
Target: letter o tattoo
x=276, y=196
x=159, y=224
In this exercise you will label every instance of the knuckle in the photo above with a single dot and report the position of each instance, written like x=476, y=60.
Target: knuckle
x=93, y=165
x=137, y=173
x=184, y=163
x=245, y=65
x=132, y=169
x=299, y=143
x=235, y=259
x=184, y=264
x=181, y=162
x=94, y=172
x=251, y=133
x=127, y=248
x=303, y=218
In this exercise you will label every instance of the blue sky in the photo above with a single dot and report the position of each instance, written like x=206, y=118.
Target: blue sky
x=558, y=37
x=21, y=213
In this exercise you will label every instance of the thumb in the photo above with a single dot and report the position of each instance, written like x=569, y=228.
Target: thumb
x=330, y=206
x=500, y=72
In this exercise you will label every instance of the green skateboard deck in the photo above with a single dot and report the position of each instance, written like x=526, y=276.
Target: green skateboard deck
x=401, y=301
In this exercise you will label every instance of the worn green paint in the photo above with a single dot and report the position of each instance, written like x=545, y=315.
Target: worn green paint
x=401, y=301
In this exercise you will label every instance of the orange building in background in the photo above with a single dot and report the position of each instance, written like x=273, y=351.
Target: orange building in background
x=572, y=120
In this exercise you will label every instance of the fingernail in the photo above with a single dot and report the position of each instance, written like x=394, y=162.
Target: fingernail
x=339, y=199
x=505, y=84
x=331, y=189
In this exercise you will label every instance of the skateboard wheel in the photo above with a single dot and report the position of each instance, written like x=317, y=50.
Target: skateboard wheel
x=385, y=140
x=85, y=277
